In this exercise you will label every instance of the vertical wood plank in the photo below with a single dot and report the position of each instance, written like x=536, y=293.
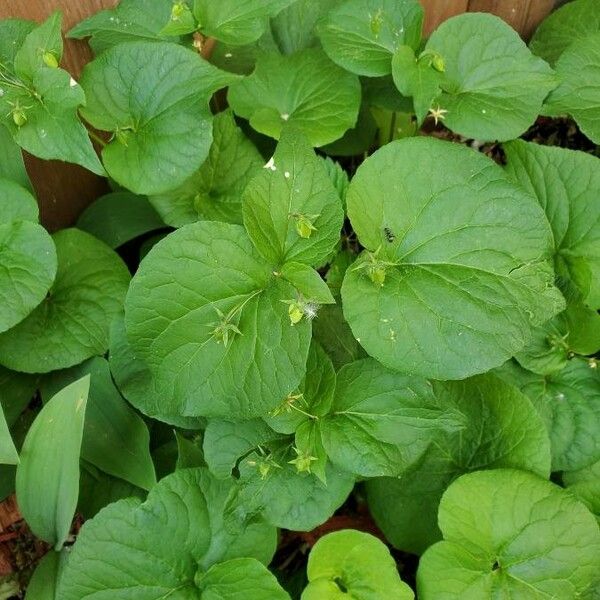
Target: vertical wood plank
x=437, y=11
x=522, y=15
x=63, y=190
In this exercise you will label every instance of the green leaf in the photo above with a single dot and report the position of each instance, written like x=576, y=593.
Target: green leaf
x=501, y=429
x=8, y=452
x=494, y=90
x=578, y=64
x=381, y=422
x=44, y=580
x=236, y=23
x=41, y=42
x=332, y=332
x=307, y=282
x=72, y=322
x=130, y=21
x=286, y=498
x=12, y=167
x=585, y=485
x=122, y=551
x=27, y=256
x=48, y=474
x=510, y=534
x=569, y=404
x=162, y=127
x=462, y=255
x=41, y=115
x=189, y=453
x=358, y=140
x=219, y=342
x=313, y=398
x=115, y=438
x=136, y=382
x=240, y=577
x=363, y=35
x=214, y=192
x=305, y=90
x=17, y=203
x=291, y=210
x=98, y=489
x=353, y=564
x=119, y=217
x=16, y=391
x=563, y=182
x=417, y=78
x=569, y=23
x=226, y=441
x=182, y=20
x=294, y=27
x=13, y=33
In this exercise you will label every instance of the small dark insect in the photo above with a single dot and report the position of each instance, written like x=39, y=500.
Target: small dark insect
x=390, y=236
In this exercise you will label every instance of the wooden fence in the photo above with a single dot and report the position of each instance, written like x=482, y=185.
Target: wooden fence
x=65, y=190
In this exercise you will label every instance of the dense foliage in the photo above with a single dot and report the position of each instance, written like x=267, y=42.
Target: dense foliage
x=304, y=295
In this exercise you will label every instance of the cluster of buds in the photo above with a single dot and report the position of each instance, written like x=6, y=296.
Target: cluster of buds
x=375, y=268
x=433, y=59
x=264, y=463
x=301, y=308
x=305, y=224
x=303, y=461
x=50, y=59
x=287, y=405
x=18, y=113
x=224, y=329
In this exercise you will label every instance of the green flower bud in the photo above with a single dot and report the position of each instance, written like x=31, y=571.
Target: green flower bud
x=19, y=117
x=438, y=63
x=377, y=274
x=50, y=59
x=295, y=312
x=304, y=226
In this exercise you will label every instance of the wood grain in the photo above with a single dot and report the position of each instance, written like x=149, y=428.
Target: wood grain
x=437, y=11
x=63, y=190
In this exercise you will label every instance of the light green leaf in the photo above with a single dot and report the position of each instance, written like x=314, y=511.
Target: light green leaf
x=130, y=21
x=28, y=260
x=381, y=422
x=353, y=564
x=493, y=86
x=162, y=126
x=17, y=203
x=463, y=256
x=214, y=192
x=72, y=322
x=12, y=167
x=122, y=551
x=363, y=35
x=8, y=452
x=313, y=398
x=572, y=22
x=418, y=79
x=563, y=182
x=308, y=282
x=119, y=217
x=48, y=474
x=579, y=89
x=44, y=581
x=502, y=429
x=305, y=90
x=240, y=577
x=218, y=341
x=509, y=534
x=43, y=41
x=309, y=448
x=569, y=404
x=294, y=27
x=136, y=382
x=115, y=438
x=182, y=20
x=585, y=485
x=291, y=210
x=236, y=23
x=42, y=117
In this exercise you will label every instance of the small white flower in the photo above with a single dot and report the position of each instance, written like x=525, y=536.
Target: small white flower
x=271, y=164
